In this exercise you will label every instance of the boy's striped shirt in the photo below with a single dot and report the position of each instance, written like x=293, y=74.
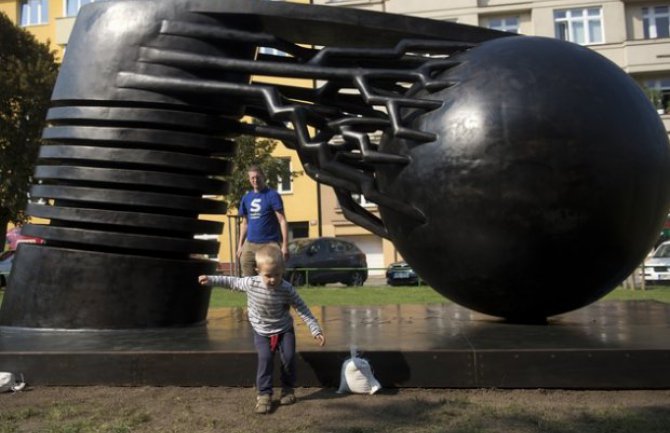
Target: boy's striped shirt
x=268, y=309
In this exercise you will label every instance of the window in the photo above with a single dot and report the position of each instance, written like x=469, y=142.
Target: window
x=315, y=248
x=505, y=24
x=656, y=22
x=581, y=26
x=339, y=247
x=34, y=12
x=658, y=92
x=72, y=6
x=285, y=186
x=298, y=229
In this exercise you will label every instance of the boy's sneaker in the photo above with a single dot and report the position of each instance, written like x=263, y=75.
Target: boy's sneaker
x=263, y=404
x=287, y=397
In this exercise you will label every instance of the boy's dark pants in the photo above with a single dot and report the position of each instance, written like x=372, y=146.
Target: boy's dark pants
x=286, y=349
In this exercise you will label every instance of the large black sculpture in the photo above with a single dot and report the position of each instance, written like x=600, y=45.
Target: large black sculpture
x=522, y=177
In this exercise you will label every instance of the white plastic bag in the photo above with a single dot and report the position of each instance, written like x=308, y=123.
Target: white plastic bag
x=356, y=376
x=9, y=382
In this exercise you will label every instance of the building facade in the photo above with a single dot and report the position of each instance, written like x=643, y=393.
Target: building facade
x=634, y=34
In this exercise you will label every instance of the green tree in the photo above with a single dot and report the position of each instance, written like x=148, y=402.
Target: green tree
x=27, y=75
x=258, y=152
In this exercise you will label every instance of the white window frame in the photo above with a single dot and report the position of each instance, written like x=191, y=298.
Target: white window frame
x=649, y=20
x=508, y=23
x=280, y=186
x=42, y=12
x=581, y=16
x=78, y=3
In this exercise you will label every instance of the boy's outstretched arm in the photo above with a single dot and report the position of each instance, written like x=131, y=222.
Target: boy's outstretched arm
x=227, y=282
x=306, y=315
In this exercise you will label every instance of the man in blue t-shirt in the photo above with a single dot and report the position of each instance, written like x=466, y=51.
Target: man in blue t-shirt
x=263, y=221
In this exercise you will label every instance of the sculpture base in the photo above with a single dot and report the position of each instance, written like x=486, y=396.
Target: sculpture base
x=72, y=289
x=607, y=345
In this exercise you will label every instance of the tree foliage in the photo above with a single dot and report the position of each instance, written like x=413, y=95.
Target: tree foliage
x=258, y=152
x=28, y=72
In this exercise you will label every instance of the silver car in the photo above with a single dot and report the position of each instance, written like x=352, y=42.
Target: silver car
x=6, y=259
x=657, y=267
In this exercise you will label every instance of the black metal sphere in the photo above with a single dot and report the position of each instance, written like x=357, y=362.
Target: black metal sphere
x=547, y=184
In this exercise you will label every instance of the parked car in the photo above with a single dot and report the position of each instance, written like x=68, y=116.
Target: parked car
x=401, y=274
x=657, y=266
x=325, y=260
x=6, y=259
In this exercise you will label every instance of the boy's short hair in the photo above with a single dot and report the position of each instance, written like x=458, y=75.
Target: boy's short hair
x=269, y=255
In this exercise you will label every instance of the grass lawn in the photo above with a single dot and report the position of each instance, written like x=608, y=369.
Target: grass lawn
x=336, y=295
x=384, y=295
x=652, y=293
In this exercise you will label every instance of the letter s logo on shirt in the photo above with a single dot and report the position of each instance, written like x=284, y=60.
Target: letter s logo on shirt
x=255, y=205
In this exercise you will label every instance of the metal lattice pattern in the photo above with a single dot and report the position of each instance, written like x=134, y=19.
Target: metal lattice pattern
x=359, y=92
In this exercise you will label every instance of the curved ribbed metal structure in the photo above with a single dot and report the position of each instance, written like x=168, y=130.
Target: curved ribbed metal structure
x=124, y=205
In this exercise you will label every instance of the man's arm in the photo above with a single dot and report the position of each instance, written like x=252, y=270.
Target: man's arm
x=283, y=226
x=243, y=235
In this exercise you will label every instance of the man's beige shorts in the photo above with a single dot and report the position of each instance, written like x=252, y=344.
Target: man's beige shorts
x=248, y=259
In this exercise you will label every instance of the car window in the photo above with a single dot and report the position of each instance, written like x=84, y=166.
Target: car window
x=339, y=247
x=663, y=251
x=314, y=248
x=298, y=246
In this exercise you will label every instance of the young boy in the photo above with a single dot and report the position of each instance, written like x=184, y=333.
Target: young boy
x=269, y=298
